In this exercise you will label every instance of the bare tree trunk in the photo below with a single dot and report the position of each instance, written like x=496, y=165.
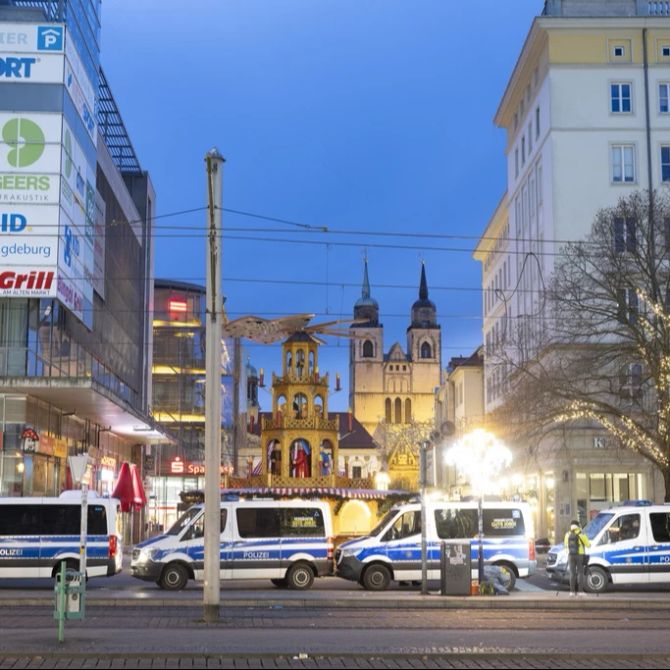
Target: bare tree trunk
x=666, y=479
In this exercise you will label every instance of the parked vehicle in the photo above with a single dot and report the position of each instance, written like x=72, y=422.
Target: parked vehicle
x=38, y=534
x=630, y=544
x=392, y=550
x=287, y=541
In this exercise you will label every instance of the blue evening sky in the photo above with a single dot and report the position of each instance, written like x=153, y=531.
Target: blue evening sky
x=365, y=116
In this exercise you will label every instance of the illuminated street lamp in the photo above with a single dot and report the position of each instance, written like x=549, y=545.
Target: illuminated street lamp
x=480, y=457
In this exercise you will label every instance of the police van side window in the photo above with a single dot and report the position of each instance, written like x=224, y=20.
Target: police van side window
x=406, y=525
x=452, y=524
x=626, y=527
x=66, y=520
x=503, y=522
x=198, y=528
x=258, y=522
x=20, y=520
x=302, y=522
x=660, y=526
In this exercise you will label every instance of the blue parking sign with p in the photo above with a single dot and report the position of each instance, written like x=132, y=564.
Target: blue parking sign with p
x=50, y=38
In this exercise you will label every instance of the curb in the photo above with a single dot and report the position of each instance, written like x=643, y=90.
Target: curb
x=428, y=603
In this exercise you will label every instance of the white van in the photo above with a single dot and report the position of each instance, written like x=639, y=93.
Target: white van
x=630, y=544
x=392, y=550
x=287, y=541
x=38, y=534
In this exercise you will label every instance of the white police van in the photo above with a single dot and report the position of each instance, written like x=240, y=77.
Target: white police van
x=630, y=544
x=38, y=534
x=287, y=541
x=392, y=550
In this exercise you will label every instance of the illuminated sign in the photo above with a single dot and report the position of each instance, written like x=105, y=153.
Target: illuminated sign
x=177, y=306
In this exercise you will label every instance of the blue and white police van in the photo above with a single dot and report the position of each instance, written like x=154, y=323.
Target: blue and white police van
x=630, y=544
x=38, y=534
x=289, y=542
x=392, y=550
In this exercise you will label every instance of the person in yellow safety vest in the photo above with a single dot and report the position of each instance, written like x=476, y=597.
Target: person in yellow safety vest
x=576, y=543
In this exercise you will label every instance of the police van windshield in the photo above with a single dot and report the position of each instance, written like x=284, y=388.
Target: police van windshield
x=183, y=521
x=596, y=524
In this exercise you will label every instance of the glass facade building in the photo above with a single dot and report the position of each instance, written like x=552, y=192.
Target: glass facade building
x=75, y=281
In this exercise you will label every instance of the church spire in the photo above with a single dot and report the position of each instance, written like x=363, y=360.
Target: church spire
x=365, y=292
x=424, y=314
x=366, y=307
x=423, y=288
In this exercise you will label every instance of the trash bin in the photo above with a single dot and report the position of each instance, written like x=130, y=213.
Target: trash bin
x=70, y=591
x=456, y=567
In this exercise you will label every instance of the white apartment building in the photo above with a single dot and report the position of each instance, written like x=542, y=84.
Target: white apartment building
x=587, y=117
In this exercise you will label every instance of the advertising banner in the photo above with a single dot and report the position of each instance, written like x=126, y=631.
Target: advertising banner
x=80, y=88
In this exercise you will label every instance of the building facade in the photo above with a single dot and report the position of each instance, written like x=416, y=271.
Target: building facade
x=393, y=393
x=587, y=122
x=75, y=289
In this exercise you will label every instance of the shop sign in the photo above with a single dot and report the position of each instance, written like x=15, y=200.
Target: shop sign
x=29, y=439
x=191, y=468
x=108, y=462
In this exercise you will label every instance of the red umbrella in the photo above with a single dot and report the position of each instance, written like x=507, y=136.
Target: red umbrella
x=139, y=496
x=124, y=488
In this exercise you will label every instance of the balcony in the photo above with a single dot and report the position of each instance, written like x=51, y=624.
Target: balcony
x=283, y=422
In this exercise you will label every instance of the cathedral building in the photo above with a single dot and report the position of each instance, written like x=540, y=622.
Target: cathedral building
x=393, y=394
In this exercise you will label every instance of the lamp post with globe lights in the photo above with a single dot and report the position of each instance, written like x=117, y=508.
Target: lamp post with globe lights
x=480, y=457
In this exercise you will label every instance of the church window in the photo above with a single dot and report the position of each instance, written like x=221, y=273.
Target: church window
x=408, y=410
x=426, y=350
x=398, y=410
x=388, y=410
x=368, y=349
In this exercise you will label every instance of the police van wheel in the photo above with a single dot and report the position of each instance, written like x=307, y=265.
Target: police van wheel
x=596, y=579
x=508, y=575
x=376, y=578
x=299, y=577
x=174, y=577
x=70, y=566
x=280, y=583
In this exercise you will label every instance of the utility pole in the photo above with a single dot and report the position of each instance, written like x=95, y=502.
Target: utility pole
x=213, y=333
x=424, y=544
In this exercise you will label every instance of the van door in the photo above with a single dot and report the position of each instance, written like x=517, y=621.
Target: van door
x=20, y=529
x=256, y=547
x=402, y=545
x=623, y=546
x=659, y=554
x=192, y=543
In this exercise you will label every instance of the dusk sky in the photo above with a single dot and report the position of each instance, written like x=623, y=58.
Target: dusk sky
x=370, y=117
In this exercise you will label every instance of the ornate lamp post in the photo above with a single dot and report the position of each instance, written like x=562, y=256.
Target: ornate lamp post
x=480, y=457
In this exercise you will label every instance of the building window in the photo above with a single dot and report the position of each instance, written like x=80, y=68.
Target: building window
x=537, y=123
x=530, y=138
x=356, y=472
x=623, y=163
x=398, y=410
x=408, y=410
x=625, y=235
x=664, y=98
x=426, y=350
x=665, y=163
x=516, y=163
x=628, y=305
x=389, y=417
x=619, y=51
x=368, y=349
x=523, y=150
x=620, y=98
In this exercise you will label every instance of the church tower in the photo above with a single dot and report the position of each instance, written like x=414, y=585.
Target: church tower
x=366, y=358
x=424, y=348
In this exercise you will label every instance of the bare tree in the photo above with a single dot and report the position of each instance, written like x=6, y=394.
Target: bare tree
x=603, y=352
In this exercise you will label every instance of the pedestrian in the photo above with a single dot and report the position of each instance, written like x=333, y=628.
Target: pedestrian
x=576, y=543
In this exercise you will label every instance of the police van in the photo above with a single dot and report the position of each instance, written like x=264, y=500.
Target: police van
x=630, y=544
x=38, y=534
x=287, y=541
x=392, y=550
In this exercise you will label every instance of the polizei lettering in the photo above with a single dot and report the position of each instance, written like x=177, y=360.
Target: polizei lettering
x=31, y=281
x=19, y=68
x=11, y=552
